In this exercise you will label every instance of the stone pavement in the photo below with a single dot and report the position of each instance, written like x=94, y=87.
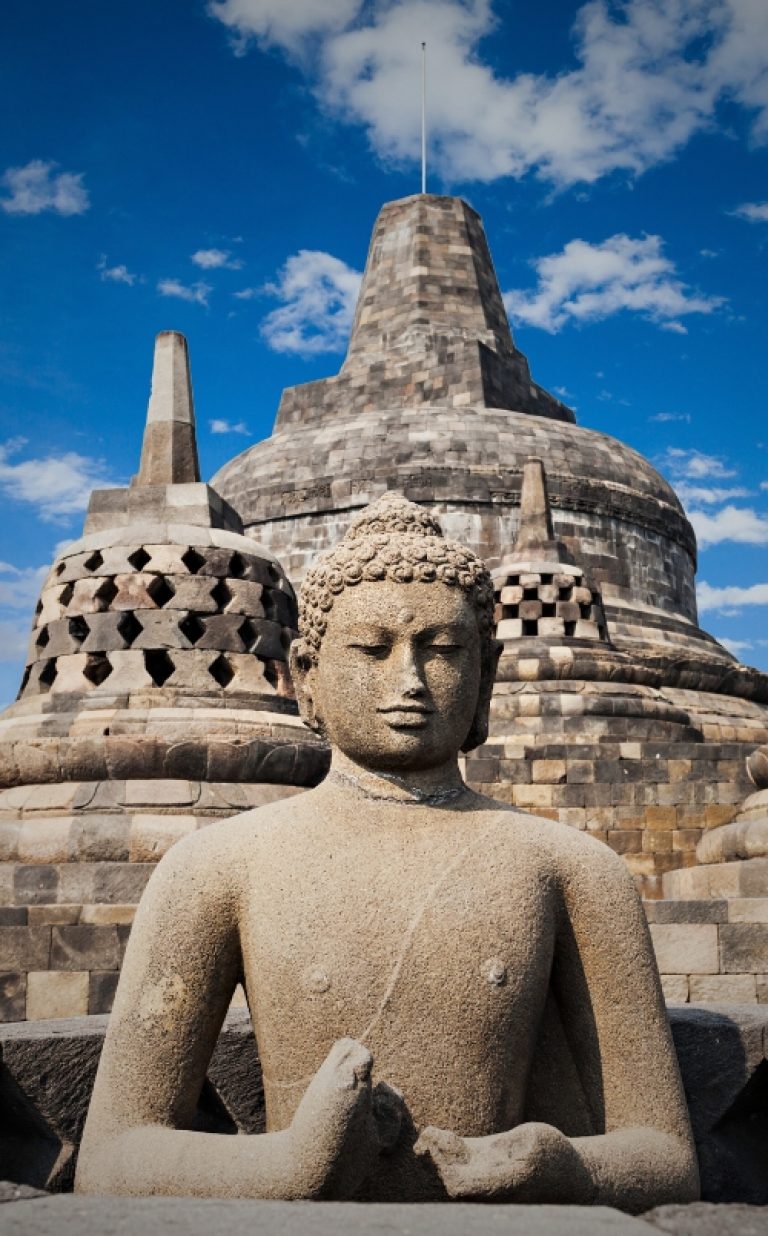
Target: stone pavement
x=96, y=1216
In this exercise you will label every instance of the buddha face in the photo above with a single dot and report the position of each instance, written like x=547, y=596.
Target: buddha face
x=397, y=681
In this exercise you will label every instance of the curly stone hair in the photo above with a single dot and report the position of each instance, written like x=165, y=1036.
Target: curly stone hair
x=398, y=540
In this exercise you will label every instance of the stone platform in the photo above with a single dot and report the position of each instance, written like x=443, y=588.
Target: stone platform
x=47, y=1071
x=93, y=1216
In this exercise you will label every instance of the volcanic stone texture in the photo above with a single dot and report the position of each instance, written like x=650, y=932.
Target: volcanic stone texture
x=653, y=680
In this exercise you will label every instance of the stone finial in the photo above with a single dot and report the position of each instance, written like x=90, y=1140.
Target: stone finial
x=536, y=535
x=169, y=451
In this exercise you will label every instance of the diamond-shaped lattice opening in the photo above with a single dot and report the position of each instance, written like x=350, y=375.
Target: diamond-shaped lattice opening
x=78, y=628
x=570, y=629
x=530, y=594
x=564, y=593
x=193, y=561
x=248, y=634
x=192, y=627
x=269, y=604
x=546, y=579
x=509, y=611
x=222, y=671
x=60, y=568
x=94, y=562
x=97, y=668
x=221, y=594
x=585, y=609
x=237, y=567
x=548, y=609
x=66, y=594
x=106, y=593
x=43, y=638
x=159, y=666
x=139, y=558
x=38, y=609
x=47, y=675
x=129, y=627
x=530, y=626
x=160, y=590
x=24, y=681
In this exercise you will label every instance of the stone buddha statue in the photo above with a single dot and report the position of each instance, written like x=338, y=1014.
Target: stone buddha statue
x=452, y=999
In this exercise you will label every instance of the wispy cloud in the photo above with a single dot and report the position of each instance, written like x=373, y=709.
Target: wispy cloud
x=735, y=646
x=753, y=212
x=589, y=282
x=20, y=586
x=14, y=638
x=246, y=294
x=216, y=259
x=195, y=293
x=58, y=486
x=694, y=464
x=710, y=495
x=115, y=274
x=222, y=426
x=319, y=293
x=710, y=597
x=666, y=418
x=37, y=187
x=648, y=76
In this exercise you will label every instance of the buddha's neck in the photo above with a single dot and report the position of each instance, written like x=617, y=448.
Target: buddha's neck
x=428, y=785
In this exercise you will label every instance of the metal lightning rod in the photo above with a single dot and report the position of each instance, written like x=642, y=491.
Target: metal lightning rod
x=423, y=117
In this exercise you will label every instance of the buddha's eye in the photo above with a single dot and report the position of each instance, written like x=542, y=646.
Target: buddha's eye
x=379, y=651
x=445, y=649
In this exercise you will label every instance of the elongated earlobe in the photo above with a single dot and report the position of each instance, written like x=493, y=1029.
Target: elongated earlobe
x=302, y=673
x=478, y=731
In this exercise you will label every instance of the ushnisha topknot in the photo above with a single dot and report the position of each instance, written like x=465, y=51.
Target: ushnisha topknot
x=391, y=539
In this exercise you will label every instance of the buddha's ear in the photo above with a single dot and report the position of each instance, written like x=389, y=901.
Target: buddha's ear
x=478, y=731
x=303, y=674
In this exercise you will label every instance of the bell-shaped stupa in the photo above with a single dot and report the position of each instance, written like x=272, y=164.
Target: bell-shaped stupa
x=156, y=699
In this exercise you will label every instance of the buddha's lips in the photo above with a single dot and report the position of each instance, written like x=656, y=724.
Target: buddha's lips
x=415, y=710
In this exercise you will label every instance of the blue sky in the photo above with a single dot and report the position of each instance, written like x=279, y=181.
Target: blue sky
x=216, y=168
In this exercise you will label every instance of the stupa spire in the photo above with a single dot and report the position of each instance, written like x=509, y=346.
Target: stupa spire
x=536, y=535
x=169, y=450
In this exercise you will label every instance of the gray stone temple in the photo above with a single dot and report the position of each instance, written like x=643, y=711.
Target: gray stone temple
x=157, y=697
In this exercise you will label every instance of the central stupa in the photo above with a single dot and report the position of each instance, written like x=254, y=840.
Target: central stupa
x=614, y=710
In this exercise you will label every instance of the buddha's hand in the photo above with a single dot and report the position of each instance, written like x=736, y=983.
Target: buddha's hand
x=342, y=1124
x=532, y=1163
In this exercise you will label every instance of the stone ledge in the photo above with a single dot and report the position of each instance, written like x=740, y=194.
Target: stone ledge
x=722, y=1055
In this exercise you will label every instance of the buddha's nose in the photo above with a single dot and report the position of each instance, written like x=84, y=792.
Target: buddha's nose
x=410, y=680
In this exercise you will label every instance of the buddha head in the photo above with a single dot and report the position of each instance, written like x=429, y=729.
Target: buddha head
x=396, y=655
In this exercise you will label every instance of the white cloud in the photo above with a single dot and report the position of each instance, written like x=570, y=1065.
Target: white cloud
x=733, y=523
x=283, y=23
x=693, y=464
x=664, y=418
x=708, y=495
x=753, y=212
x=14, y=638
x=222, y=426
x=649, y=74
x=709, y=253
x=115, y=274
x=709, y=597
x=57, y=485
x=319, y=293
x=36, y=187
x=735, y=646
x=246, y=294
x=216, y=259
x=586, y=283
x=195, y=293
x=21, y=590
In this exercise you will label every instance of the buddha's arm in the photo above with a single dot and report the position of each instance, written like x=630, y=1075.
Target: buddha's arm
x=613, y=1014
x=180, y=970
